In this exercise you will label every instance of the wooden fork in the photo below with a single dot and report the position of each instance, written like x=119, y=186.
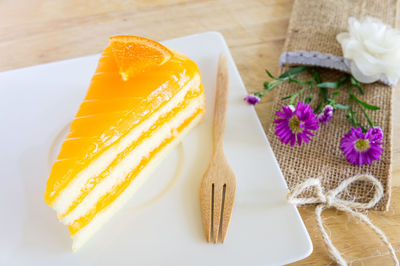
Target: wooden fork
x=218, y=185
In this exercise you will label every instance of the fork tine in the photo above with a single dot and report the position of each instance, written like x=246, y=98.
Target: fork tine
x=230, y=190
x=206, y=205
x=218, y=194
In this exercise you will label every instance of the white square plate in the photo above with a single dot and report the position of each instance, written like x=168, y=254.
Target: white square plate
x=161, y=225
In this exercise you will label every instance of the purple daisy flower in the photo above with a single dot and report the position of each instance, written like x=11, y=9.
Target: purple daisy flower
x=296, y=124
x=362, y=148
x=252, y=99
x=326, y=115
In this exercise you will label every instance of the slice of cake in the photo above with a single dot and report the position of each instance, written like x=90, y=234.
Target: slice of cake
x=142, y=100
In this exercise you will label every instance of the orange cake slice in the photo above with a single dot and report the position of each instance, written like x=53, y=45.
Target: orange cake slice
x=142, y=100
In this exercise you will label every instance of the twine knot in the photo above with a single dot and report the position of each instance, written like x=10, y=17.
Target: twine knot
x=330, y=199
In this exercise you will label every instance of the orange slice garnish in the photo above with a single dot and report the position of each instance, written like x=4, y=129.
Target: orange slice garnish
x=135, y=54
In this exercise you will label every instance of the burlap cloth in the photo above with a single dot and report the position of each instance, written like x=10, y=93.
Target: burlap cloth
x=313, y=26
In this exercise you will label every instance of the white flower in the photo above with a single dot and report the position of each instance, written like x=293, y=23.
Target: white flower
x=372, y=50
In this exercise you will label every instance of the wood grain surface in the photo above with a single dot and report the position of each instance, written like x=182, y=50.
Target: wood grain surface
x=34, y=32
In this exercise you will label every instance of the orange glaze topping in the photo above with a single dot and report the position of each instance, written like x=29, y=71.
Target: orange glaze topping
x=111, y=108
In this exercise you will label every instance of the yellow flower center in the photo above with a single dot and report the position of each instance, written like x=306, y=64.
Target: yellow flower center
x=295, y=125
x=362, y=145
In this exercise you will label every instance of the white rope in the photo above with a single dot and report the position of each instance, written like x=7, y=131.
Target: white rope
x=330, y=199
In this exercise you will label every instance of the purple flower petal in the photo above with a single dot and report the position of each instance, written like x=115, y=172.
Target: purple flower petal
x=326, y=115
x=251, y=99
x=377, y=133
x=294, y=124
x=359, y=148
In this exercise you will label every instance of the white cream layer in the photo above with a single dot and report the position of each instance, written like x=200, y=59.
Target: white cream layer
x=72, y=191
x=118, y=173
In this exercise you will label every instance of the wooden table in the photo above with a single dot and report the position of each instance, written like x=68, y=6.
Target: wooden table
x=35, y=32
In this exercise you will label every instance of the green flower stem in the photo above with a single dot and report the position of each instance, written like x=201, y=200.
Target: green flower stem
x=272, y=84
x=335, y=94
x=351, y=113
x=352, y=98
x=308, y=99
x=371, y=124
x=289, y=75
x=328, y=92
x=295, y=95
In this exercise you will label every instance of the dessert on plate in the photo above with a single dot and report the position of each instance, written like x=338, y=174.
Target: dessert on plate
x=142, y=100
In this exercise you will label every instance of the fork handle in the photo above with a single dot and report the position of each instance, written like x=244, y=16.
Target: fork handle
x=221, y=103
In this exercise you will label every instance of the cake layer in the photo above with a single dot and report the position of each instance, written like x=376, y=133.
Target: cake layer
x=112, y=107
x=130, y=158
x=142, y=99
x=86, y=226
x=72, y=191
